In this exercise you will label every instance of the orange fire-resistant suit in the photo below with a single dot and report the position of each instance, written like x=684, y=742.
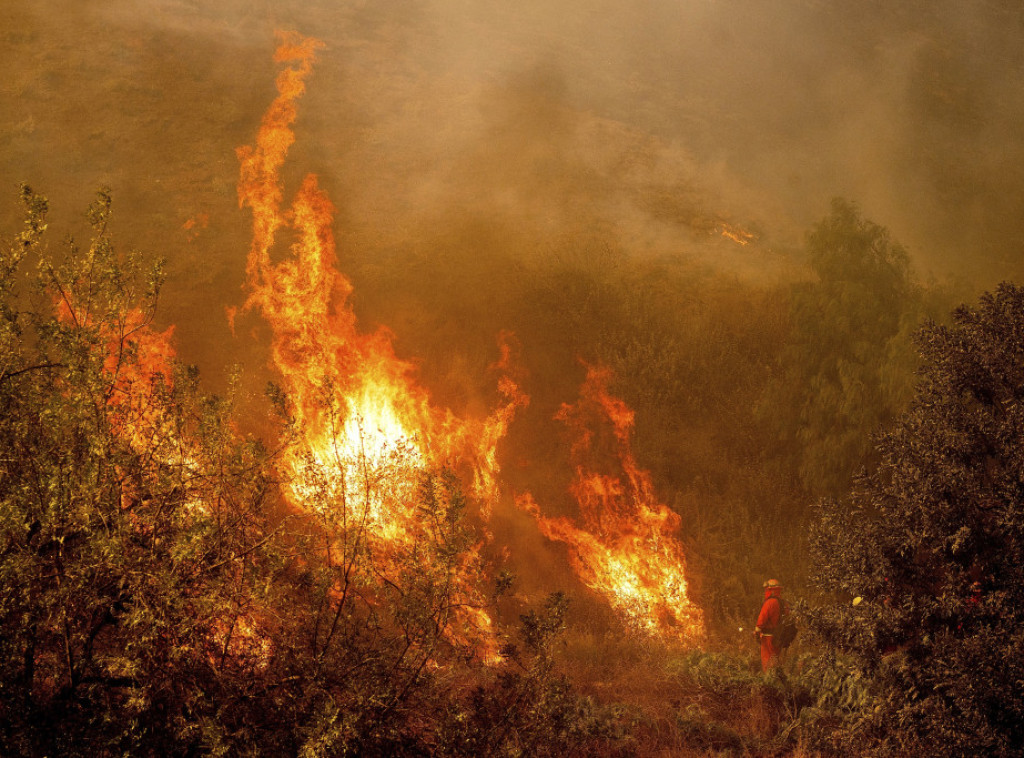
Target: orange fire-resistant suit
x=767, y=620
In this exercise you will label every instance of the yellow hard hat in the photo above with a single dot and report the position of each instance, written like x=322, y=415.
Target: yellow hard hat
x=772, y=584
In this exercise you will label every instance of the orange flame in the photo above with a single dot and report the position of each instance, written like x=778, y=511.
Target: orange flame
x=737, y=235
x=368, y=430
x=132, y=411
x=136, y=365
x=627, y=549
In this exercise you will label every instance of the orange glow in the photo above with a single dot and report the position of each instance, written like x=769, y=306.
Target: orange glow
x=135, y=382
x=137, y=366
x=737, y=235
x=195, y=225
x=366, y=430
x=626, y=548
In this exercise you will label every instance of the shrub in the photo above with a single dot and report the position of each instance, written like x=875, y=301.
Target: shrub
x=932, y=541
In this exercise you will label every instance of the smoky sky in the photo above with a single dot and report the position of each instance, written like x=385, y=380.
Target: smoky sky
x=492, y=135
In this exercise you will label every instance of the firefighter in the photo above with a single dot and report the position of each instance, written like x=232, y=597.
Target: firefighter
x=767, y=620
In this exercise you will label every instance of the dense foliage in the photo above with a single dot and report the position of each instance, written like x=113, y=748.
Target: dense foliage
x=932, y=544
x=843, y=371
x=119, y=597
x=157, y=598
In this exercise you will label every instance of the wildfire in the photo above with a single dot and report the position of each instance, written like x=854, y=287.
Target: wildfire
x=737, y=235
x=627, y=549
x=366, y=429
x=136, y=365
x=134, y=382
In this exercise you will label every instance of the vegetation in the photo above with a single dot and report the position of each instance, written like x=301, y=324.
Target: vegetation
x=119, y=597
x=157, y=596
x=932, y=542
x=843, y=371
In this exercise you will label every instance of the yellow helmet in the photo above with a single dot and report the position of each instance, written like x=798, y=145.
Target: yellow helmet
x=773, y=584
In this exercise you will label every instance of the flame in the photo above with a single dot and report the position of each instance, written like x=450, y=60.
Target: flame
x=135, y=363
x=195, y=225
x=737, y=235
x=494, y=428
x=367, y=429
x=136, y=382
x=136, y=366
x=627, y=548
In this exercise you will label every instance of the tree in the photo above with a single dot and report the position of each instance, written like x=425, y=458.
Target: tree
x=932, y=543
x=844, y=371
x=159, y=597
x=131, y=518
x=526, y=707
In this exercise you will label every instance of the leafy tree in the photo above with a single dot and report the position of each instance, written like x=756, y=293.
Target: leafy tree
x=927, y=557
x=157, y=597
x=130, y=515
x=845, y=370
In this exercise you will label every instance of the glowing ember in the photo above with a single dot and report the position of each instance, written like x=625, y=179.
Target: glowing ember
x=627, y=549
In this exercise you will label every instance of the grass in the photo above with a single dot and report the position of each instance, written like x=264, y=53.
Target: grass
x=713, y=702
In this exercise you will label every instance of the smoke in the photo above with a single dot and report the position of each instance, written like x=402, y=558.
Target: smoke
x=650, y=119
x=465, y=142
x=470, y=144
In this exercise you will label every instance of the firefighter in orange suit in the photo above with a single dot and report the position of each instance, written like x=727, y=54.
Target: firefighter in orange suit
x=767, y=620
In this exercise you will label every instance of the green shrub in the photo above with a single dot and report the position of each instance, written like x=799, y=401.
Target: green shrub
x=932, y=542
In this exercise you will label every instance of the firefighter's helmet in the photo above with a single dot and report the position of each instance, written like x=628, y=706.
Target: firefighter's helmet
x=772, y=584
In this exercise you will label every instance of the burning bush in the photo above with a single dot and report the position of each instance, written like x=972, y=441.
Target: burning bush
x=161, y=594
x=132, y=516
